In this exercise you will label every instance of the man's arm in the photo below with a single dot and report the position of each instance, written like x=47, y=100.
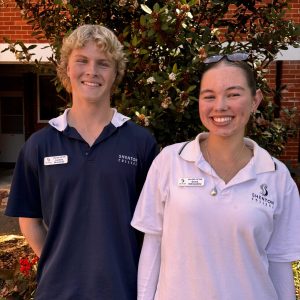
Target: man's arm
x=35, y=232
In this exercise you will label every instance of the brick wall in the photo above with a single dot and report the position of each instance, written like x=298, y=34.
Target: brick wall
x=294, y=12
x=290, y=78
x=291, y=98
x=12, y=25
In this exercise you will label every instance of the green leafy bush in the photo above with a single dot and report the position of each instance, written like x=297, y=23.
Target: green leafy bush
x=166, y=43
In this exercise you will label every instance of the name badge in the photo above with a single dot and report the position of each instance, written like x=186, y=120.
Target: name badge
x=191, y=181
x=55, y=160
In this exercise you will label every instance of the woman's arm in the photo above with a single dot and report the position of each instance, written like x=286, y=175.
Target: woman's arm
x=281, y=274
x=149, y=266
x=35, y=232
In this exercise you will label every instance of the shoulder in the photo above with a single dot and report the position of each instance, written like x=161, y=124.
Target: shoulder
x=271, y=167
x=137, y=135
x=171, y=152
x=175, y=148
x=137, y=130
x=40, y=137
x=280, y=167
x=41, y=134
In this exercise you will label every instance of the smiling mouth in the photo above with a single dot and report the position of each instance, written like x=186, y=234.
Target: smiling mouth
x=221, y=120
x=93, y=84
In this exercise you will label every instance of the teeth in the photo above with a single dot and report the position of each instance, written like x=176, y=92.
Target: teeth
x=91, y=83
x=222, y=119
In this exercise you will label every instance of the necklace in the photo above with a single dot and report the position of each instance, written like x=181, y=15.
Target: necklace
x=214, y=190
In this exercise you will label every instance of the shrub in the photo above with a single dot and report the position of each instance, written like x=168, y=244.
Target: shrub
x=166, y=42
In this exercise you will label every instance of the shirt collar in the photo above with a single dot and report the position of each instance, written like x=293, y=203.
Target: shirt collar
x=262, y=160
x=190, y=151
x=60, y=123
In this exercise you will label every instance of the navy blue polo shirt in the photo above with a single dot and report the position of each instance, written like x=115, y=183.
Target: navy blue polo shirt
x=86, y=197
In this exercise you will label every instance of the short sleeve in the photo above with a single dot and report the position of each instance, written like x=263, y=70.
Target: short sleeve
x=148, y=215
x=284, y=245
x=24, y=196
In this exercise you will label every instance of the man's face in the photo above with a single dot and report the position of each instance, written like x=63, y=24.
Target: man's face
x=92, y=73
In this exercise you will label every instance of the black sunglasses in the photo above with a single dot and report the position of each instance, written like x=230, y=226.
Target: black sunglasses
x=238, y=56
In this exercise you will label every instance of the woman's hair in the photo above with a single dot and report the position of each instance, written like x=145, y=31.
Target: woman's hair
x=244, y=66
x=104, y=38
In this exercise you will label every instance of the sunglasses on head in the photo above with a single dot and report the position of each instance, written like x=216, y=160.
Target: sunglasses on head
x=238, y=56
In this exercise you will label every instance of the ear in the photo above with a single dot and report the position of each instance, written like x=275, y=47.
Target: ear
x=257, y=99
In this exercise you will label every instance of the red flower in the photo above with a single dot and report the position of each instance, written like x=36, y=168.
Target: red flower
x=26, y=265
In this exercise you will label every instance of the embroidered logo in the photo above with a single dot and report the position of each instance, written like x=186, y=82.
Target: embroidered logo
x=127, y=159
x=261, y=197
x=264, y=190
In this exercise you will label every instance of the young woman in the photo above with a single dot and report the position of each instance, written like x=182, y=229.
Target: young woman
x=221, y=216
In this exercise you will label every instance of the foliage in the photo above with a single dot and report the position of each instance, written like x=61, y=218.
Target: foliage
x=296, y=271
x=272, y=133
x=166, y=42
x=23, y=284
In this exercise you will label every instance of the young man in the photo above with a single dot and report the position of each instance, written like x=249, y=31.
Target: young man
x=76, y=182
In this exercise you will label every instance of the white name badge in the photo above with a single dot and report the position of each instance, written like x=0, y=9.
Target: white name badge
x=191, y=181
x=56, y=160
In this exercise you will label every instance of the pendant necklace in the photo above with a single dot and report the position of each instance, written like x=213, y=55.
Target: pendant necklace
x=214, y=190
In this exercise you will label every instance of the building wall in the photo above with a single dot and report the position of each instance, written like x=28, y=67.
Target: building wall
x=13, y=27
x=294, y=12
x=290, y=80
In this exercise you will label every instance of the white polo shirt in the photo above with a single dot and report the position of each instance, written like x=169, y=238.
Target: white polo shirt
x=218, y=247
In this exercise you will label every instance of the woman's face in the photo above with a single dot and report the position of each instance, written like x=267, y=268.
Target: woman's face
x=225, y=101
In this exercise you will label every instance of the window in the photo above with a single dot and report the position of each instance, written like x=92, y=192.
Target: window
x=11, y=109
x=49, y=102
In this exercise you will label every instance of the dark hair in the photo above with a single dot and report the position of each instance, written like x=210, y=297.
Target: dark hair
x=245, y=67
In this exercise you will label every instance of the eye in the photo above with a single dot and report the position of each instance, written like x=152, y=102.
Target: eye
x=81, y=60
x=233, y=95
x=208, y=98
x=104, y=64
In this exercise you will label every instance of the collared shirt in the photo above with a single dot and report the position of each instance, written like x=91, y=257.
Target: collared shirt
x=86, y=196
x=218, y=247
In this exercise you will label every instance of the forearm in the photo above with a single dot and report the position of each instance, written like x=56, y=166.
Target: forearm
x=149, y=266
x=282, y=277
x=35, y=233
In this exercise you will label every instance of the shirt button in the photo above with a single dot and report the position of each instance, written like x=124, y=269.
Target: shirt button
x=86, y=153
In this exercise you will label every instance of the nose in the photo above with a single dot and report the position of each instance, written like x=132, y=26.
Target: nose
x=220, y=104
x=92, y=69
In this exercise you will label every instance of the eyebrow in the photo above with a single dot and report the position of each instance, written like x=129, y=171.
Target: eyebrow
x=87, y=57
x=236, y=87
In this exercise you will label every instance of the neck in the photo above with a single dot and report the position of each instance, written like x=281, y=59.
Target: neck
x=224, y=149
x=226, y=157
x=89, y=122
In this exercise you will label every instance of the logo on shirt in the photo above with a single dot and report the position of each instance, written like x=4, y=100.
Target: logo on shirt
x=264, y=189
x=127, y=159
x=261, y=197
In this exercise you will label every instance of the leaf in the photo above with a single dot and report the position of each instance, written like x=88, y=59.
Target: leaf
x=142, y=20
x=146, y=9
x=4, y=50
x=156, y=7
x=191, y=88
x=30, y=47
x=134, y=41
x=174, y=69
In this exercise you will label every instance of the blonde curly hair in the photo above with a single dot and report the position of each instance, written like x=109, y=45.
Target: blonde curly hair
x=105, y=39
